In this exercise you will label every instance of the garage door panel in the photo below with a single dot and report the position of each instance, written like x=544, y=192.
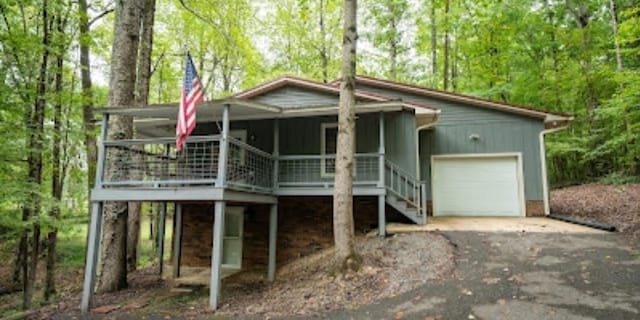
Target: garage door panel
x=481, y=186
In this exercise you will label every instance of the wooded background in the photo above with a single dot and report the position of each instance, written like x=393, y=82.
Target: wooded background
x=581, y=57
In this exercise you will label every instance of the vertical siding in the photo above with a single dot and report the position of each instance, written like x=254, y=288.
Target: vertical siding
x=400, y=139
x=302, y=135
x=500, y=132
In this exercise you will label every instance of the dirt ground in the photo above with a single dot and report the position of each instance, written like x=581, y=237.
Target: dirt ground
x=309, y=286
x=616, y=205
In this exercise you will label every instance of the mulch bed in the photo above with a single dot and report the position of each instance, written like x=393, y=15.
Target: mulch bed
x=616, y=205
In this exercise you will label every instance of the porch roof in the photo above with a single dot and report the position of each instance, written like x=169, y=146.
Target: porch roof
x=159, y=119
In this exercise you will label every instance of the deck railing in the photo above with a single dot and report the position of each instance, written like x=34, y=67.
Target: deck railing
x=249, y=168
x=155, y=162
x=319, y=170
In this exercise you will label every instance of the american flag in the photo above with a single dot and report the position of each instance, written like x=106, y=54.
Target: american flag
x=192, y=95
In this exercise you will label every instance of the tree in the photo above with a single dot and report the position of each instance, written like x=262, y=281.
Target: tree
x=343, y=228
x=121, y=94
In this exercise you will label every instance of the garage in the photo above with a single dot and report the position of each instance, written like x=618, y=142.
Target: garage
x=477, y=185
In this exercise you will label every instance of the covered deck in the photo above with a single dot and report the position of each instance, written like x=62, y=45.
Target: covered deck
x=217, y=167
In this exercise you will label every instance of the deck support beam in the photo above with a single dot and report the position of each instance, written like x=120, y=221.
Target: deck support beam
x=216, y=254
x=161, y=230
x=382, y=218
x=93, y=253
x=177, y=240
x=273, y=236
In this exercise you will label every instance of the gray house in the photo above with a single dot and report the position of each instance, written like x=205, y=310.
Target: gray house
x=253, y=186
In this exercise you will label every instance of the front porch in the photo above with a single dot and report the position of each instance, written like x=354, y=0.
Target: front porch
x=227, y=169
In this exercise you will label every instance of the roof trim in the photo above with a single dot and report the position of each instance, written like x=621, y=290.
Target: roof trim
x=451, y=96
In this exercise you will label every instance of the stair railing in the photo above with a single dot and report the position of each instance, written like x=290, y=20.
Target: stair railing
x=406, y=187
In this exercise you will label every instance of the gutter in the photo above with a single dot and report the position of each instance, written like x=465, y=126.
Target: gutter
x=543, y=164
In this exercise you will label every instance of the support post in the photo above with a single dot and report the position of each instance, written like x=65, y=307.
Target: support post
x=381, y=150
x=177, y=240
x=382, y=219
x=101, y=152
x=161, y=227
x=276, y=151
x=224, y=149
x=273, y=236
x=216, y=254
x=93, y=253
x=423, y=202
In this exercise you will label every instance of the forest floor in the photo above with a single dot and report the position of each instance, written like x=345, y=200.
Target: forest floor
x=615, y=205
x=307, y=286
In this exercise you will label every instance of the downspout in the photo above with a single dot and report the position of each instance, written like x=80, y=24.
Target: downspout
x=543, y=163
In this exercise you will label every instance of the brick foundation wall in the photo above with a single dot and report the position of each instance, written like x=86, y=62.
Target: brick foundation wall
x=305, y=225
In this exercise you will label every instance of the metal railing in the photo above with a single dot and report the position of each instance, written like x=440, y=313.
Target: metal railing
x=319, y=170
x=155, y=162
x=404, y=186
x=249, y=168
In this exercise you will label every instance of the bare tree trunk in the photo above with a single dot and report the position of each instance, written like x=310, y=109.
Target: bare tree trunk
x=446, y=46
x=32, y=209
x=142, y=98
x=614, y=24
x=87, y=95
x=343, y=229
x=434, y=44
x=56, y=177
x=121, y=93
x=394, y=48
x=324, y=55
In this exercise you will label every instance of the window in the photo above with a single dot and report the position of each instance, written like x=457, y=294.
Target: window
x=237, y=154
x=329, y=147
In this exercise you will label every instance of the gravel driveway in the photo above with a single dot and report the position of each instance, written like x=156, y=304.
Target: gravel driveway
x=525, y=276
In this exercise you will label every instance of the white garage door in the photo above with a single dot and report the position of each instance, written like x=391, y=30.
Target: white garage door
x=477, y=186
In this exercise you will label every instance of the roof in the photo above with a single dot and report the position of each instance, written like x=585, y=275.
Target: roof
x=457, y=97
x=288, y=80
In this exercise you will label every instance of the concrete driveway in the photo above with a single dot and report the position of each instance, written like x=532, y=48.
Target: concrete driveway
x=524, y=275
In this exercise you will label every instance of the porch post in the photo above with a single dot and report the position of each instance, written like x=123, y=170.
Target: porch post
x=93, y=253
x=101, y=153
x=276, y=151
x=224, y=146
x=216, y=254
x=381, y=150
x=273, y=236
x=382, y=229
x=161, y=227
x=177, y=240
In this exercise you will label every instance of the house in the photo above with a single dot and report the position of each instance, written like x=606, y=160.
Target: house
x=253, y=186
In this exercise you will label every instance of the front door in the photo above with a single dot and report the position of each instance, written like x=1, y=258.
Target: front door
x=232, y=238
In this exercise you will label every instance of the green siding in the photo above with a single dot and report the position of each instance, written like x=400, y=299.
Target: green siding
x=400, y=140
x=292, y=97
x=499, y=132
x=259, y=132
x=301, y=136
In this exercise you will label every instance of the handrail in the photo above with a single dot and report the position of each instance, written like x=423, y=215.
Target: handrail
x=322, y=156
x=251, y=148
x=165, y=140
x=409, y=182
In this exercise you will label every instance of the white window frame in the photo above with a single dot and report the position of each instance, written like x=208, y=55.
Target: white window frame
x=323, y=147
x=240, y=134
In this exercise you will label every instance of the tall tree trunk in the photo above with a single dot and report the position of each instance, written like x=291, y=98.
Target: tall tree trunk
x=394, y=48
x=56, y=177
x=87, y=97
x=32, y=209
x=434, y=44
x=324, y=55
x=343, y=229
x=614, y=25
x=121, y=94
x=445, y=75
x=142, y=98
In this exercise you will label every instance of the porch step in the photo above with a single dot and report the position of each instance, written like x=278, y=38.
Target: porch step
x=402, y=206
